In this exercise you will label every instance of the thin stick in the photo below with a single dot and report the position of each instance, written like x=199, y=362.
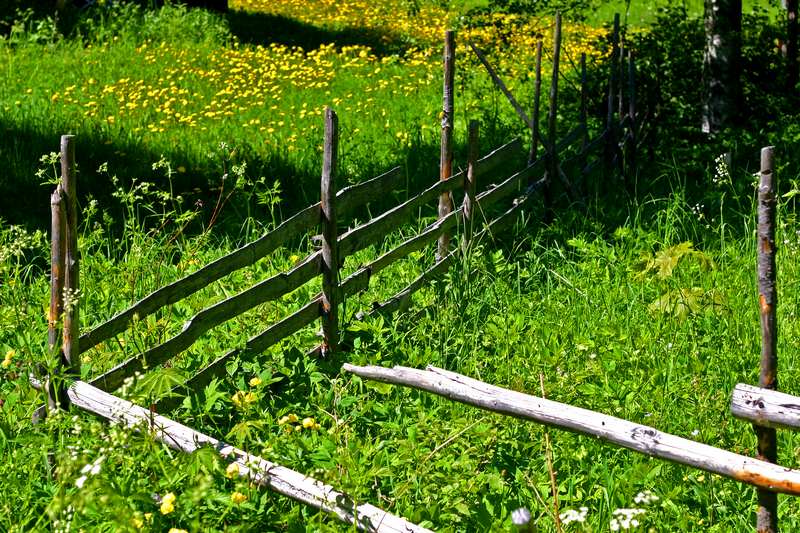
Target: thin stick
x=611, y=127
x=767, y=514
x=584, y=113
x=330, y=252
x=468, y=206
x=446, y=155
x=632, y=111
x=549, y=456
x=537, y=93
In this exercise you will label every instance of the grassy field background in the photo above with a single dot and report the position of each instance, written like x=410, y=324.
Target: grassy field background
x=641, y=308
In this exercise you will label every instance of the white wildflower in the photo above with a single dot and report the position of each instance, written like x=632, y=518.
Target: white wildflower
x=571, y=515
x=646, y=497
x=624, y=519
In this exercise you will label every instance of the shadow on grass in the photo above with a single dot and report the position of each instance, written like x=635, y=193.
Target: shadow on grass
x=262, y=28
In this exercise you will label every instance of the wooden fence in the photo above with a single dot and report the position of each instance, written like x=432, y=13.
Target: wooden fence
x=511, y=193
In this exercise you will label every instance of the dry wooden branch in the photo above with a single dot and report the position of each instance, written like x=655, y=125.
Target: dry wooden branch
x=272, y=335
x=58, y=252
x=637, y=437
x=71, y=329
x=502, y=86
x=252, y=468
x=247, y=255
x=765, y=407
x=212, y=316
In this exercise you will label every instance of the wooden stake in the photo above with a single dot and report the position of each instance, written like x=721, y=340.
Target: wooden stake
x=767, y=514
x=469, y=184
x=330, y=251
x=552, y=156
x=446, y=156
x=537, y=92
x=58, y=250
x=584, y=114
x=631, y=140
x=611, y=149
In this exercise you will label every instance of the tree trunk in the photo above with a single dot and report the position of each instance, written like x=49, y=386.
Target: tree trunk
x=722, y=63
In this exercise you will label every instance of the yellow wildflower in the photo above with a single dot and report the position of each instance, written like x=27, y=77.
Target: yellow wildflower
x=243, y=399
x=168, y=503
x=310, y=423
x=232, y=471
x=255, y=382
x=7, y=359
x=238, y=497
x=176, y=530
x=137, y=522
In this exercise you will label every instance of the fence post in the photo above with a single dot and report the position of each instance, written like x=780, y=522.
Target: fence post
x=468, y=206
x=611, y=130
x=631, y=112
x=583, y=117
x=72, y=273
x=330, y=251
x=767, y=515
x=446, y=156
x=552, y=156
x=537, y=93
x=58, y=244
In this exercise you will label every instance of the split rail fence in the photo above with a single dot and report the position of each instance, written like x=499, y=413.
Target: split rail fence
x=511, y=194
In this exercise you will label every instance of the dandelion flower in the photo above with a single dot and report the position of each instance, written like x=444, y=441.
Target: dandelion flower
x=168, y=503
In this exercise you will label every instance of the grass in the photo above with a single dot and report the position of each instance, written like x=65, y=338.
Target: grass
x=607, y=303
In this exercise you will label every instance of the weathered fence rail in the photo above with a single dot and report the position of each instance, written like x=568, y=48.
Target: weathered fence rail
x=481, y=214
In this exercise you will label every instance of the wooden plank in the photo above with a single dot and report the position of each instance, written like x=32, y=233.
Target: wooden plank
x=58, y=252
x=265, y=291
x=354, y=196
x=330, y=235
x=251, y=468
x=767, y=514
x=247, y=255
x=267, y=338
x=373, y=231
x=765, y=407
x=502, y=86
x=636, y=437
x=446, y=154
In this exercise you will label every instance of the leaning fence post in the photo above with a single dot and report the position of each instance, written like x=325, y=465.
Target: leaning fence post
x=468, y=206
x=446, y=156
x=537, y=93
x=767, y=515
x=583, y=116
x=330, y=251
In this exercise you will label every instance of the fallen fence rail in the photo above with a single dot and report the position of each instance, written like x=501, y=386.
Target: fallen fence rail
x=637, y=437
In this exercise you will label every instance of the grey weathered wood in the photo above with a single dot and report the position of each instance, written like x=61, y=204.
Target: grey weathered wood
x=637, y=437
x=468, y=205
x=58, y=252
x=330, y=236
x=251, y=468
x=247, y=255
x=354, y=196
x=502, y=86
x=71, y=330
x=267, y=338
x=537, y=93
x=767, y=514
x=265, y=291
x=765, y=407
x=375, y=230
x=446, y=155
x=402, y=299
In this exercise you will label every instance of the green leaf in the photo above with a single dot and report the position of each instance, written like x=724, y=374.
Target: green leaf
x=380, y=388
